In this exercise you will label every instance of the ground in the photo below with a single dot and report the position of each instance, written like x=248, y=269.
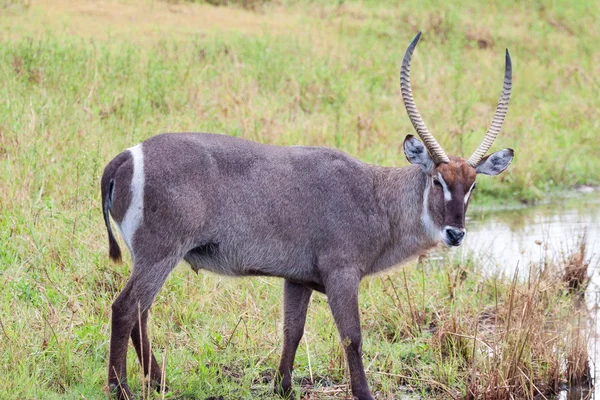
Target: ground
x=84, y=80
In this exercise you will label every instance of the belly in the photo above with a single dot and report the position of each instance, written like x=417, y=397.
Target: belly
x=258, y=260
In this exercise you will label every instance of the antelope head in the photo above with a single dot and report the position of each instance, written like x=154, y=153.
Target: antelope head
x=451, y=180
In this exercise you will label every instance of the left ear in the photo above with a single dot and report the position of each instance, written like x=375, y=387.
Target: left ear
x=495, y=163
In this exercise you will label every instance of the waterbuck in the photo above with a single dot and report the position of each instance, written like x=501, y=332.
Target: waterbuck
x=315, y=216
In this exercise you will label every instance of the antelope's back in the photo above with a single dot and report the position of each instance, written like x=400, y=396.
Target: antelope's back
x=264, y=207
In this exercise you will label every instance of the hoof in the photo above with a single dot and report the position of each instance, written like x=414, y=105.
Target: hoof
x=120, y=391
x=363, y=396
x=157, y=385
x=285, y=392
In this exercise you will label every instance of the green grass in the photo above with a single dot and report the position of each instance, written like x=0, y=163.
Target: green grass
x=81, y=83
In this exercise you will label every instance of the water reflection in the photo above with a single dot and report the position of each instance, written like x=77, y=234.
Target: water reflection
x=504, y=239
x=576, y=394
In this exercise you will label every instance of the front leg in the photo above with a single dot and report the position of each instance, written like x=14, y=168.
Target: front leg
x=295, y=304
x=341, y=286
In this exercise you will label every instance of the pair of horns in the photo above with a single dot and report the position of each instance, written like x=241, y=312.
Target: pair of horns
x=434, y=148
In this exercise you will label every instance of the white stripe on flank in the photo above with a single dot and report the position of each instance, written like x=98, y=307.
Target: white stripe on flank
x=135, y=213
x=447, y=194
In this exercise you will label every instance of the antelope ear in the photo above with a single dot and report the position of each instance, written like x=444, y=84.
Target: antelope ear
x=416, y=153
x=495, y=163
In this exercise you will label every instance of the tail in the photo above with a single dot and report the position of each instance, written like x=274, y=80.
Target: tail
x=114, y=251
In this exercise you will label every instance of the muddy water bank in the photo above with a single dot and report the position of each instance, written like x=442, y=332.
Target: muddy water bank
x=504, y=240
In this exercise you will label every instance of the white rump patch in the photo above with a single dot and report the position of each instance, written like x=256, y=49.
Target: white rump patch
x=135, y=213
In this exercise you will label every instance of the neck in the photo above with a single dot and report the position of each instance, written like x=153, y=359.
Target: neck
x=402, y=193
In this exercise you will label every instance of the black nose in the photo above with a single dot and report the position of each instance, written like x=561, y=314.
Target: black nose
x=455, y=236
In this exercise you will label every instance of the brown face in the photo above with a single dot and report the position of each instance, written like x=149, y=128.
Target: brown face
x=449, y=193
x=449, y=187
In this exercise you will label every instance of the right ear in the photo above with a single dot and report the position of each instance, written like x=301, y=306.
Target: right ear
x=416, y=153
x=495, y=163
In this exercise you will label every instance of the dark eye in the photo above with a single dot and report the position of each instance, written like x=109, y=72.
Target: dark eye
x=437, y=183
x=474, y=186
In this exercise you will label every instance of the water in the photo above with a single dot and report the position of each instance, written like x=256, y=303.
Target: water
x=504, y=239
x=517, y=236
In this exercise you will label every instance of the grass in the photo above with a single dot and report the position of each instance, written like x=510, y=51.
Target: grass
x=82, y=81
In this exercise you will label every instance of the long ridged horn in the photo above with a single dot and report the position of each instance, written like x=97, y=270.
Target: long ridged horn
x=499, y=116
x=434, y=148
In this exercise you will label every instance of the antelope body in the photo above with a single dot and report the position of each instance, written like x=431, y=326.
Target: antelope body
x=314, y=216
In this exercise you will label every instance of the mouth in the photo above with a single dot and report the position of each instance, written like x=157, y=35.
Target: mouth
x=452, y=243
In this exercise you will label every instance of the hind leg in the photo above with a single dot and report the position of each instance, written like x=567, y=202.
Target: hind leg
x=295, y=304
x=149, y=275
x=139, y=337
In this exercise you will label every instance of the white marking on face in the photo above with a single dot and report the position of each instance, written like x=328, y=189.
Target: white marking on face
x=432, y=231
x=135, y=213
x=469, y=193
x=447, y=194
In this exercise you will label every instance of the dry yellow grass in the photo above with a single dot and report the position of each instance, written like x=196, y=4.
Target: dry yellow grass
x=142, y=20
